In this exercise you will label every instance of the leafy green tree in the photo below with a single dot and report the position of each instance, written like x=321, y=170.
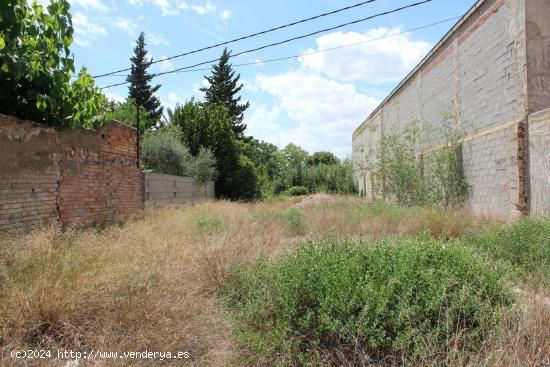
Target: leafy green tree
x=36, y=66
x=163, y=152
x=209, y=126
x=223, y=89
x=268, y=162
x=140, y=89
x=203, y=166
x=295, y=163
x=125, y=112
x=322, y=157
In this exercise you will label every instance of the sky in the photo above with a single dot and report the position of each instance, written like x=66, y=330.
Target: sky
x=315, y=101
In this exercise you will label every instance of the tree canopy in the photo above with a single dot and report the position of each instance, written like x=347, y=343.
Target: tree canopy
x=140, y=89
x=36, y=66
x=223, y=89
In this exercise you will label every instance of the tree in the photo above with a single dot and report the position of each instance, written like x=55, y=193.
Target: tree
x=295, y=162
x=322, y=157
x=36, y=66
x=125, y=112
x=140, y=89
x=223, y=89
x=164, y=152
x=268, y=161
x=209, y=126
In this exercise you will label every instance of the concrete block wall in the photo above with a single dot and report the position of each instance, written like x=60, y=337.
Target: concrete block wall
x=539, y=162
x=78, y=177
x=478, y=74
x=161, y=189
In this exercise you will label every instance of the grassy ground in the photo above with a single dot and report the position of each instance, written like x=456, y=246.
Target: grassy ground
x=157, y=283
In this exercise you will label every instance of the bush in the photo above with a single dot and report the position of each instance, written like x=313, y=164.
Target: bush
x=333, y=178
x=403, y=301
x=422, y=166
x=163, y=152
x=296, y=191
x=293, y=220
x=524, y=244
x=209, y=223
x=203, y=166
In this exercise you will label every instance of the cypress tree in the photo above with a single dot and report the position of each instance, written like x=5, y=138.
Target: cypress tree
x=223, y=89
x=140, y=89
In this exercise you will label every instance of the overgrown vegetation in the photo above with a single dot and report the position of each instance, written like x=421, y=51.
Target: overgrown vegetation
x=421, y=166
x=163, y=152
x=409, y=300
x=36, y=66
x=154, y=284
x=209, y=223
x=525, y=245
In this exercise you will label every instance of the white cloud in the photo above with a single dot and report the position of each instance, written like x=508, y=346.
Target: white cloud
x=114, y=96
x=91, y=4
x=86, y=31
x=325, y=112
x=157, y=39
x=165, y=65
x=170, y=7
x=173, y=100
x=204, y=9
x=249, y=85
x=127, y=25
x=225, y=14
x=388, y=59
x=136, y=2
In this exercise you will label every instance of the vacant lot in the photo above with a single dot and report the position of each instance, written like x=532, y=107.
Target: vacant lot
x=320, y=281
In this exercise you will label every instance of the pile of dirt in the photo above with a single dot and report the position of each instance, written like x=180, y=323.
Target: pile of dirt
x=316, y=199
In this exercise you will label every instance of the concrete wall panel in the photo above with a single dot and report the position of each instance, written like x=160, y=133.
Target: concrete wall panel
x=161, y=189
x=539, y=162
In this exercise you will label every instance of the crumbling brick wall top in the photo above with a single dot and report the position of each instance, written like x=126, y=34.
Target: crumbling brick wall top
x=77, y=176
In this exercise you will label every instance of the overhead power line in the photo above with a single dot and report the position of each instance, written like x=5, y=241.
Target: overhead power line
x=283, y=58
x=284, y=41
x=260, y=62
x=247, y=37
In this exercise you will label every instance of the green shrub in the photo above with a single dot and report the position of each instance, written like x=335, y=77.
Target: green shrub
x=209, y=223
x=293, y=220
x=404, y=301
x=296, y=191
x=524, y=244
x=422, y=165
x=203, y=166
x=163, y=152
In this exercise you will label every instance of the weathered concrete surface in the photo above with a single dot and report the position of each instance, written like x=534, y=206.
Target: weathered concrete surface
x=161, y=189
x=77, y=177
x=538, y=54
x=477, y=73
x=539, y=162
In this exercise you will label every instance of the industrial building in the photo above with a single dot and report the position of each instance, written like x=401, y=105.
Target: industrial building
x=491, y=71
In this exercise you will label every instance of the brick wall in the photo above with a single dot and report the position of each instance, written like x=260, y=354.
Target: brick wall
x=79, y=176
x=160, y=189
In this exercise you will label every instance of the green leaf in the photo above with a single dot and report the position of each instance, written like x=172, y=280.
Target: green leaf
x=2, y=43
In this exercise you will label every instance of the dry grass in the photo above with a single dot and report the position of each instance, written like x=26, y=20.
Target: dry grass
x=151, y=284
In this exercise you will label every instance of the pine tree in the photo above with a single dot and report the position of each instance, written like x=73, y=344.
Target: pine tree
x=223, y=90
x=140, y=89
